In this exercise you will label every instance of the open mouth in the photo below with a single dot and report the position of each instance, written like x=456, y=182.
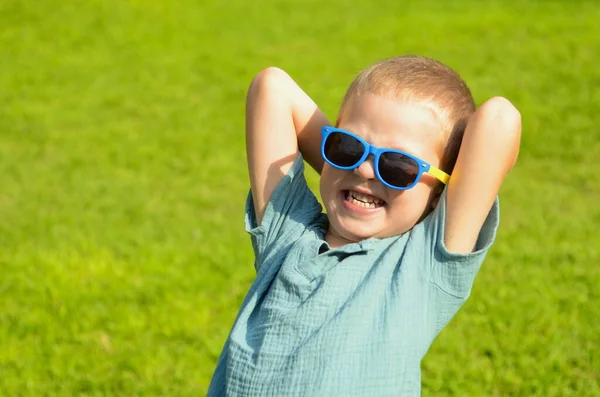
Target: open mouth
x=362, y=199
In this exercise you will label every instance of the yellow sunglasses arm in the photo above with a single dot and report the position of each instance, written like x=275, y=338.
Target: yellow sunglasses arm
x=439, y=174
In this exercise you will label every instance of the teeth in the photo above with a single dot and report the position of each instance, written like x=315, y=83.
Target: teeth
x=363, y=200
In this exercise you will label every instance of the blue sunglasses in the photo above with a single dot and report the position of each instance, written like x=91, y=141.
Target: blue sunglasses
x=394, y=168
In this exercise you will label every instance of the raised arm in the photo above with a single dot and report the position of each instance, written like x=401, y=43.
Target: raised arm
x=488, y=152
x=280, y=120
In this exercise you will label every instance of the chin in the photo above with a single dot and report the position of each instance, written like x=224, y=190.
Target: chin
x=354, y=231
x=358, y=231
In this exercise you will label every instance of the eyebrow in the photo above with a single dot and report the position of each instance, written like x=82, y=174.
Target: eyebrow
x=399, y=148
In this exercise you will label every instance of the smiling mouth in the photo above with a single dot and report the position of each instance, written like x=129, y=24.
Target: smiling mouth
x=362, y=199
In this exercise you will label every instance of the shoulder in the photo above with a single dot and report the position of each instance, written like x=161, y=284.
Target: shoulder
x=453, y=272
x=291, y=210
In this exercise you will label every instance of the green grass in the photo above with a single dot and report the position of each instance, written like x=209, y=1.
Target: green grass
x=123, y=258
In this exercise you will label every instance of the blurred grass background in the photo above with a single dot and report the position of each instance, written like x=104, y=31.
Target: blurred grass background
x=123, y=258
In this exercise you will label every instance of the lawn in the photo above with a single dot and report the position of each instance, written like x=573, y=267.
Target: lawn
x=123, y=258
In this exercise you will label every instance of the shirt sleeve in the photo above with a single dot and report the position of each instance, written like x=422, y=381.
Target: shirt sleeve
x=454, y=273
x=289, y=212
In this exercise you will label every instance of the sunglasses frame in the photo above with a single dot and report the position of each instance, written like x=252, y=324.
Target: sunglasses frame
x=423, y=166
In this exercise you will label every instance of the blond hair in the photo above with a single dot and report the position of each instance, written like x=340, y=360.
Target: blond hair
x=426, y=81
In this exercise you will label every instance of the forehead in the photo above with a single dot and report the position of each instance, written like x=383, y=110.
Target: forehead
x=411, y=126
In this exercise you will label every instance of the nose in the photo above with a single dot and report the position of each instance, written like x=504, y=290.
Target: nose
x=367, y=169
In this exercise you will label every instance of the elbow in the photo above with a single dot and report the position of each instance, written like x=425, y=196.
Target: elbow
x=504, y=120
x=268, y=80
x=504, y=113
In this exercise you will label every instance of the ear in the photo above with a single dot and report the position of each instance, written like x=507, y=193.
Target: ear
x=434, y=199
x=436, y=193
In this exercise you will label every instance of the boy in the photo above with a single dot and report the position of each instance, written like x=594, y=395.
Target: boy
x=348, y=303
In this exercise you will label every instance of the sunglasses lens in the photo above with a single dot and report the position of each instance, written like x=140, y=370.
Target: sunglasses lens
x=343, y=150
x=397, y=169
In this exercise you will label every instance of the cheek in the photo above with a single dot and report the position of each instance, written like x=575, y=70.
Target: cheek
x=330, y=180
x=409, y=204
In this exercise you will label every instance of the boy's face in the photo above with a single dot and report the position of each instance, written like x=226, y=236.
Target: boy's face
x=385, y=123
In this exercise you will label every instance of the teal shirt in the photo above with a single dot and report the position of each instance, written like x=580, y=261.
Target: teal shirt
x=350, y=321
